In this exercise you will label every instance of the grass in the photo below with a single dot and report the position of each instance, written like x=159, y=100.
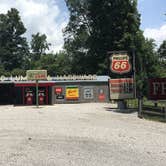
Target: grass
x=149, y=105
x=132, y=103
x=154, y=118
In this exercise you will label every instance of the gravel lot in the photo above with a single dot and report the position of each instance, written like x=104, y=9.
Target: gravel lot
x=79, y=135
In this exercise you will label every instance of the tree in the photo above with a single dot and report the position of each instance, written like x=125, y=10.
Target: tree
x=162, y=56
x=99, y=26
x=63, y=62
x=96, y=27
x=39, y=45
x=162, y=51
x=115, y=26
x=76, y=36
x=55, y=64
x=13, y=46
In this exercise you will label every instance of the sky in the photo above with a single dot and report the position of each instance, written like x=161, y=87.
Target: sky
x=153, y=19
x=51, y=16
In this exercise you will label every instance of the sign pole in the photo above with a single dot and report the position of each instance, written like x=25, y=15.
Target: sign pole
x=37, y=89
x=134, y=77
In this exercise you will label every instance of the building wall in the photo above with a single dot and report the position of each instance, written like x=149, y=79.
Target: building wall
x=69, y=92
x=88, y=92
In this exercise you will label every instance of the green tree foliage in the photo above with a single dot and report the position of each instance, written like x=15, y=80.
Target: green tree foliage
x=115, y=25
x=99, y=26
x=162, y=51
x=13, y=46
x=55, y=64
x=162, y=58
x=39, y=45
x=76, y=36
x=149, y=66
x=96, y=27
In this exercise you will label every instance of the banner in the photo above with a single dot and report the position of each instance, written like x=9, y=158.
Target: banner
x=72, y=93
x=157, y=89
x=122, y=88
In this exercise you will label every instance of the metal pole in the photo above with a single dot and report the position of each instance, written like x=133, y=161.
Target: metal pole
x=37, y=89
x=134, y=77
x=140, y=106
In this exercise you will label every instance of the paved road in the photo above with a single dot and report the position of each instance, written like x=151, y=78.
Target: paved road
x=79, y=135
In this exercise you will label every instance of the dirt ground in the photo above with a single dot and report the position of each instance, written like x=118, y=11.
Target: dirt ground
x=79, y=135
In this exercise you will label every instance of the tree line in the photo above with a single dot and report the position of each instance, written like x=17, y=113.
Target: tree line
x=94, y=28
x=17, y=56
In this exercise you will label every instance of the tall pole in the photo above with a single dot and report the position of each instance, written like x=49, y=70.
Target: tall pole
x=134, y=75
x=37, y=89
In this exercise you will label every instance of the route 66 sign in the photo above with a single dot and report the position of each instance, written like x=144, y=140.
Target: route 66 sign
x=120, y=63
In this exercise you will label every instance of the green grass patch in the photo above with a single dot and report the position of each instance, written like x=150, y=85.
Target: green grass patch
x=154, y=118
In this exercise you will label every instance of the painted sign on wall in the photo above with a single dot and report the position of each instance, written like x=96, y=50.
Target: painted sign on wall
x=72, y=93
x=122, y=88
x=157, y=89
x=88, y=93
x=120, y=63
x=101, y=95
x=58, y=90
x=59, y=93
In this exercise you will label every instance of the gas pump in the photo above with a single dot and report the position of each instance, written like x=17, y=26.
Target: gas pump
x=41, y=96
x=29, y=97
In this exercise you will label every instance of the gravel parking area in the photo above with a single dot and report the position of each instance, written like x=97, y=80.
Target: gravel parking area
x=79, y=135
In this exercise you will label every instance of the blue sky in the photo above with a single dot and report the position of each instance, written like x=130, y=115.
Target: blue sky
x=153, y=19
x=152, y=13
x=51, y=17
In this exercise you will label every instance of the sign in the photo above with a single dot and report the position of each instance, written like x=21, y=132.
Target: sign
x=37, y=75
x=101, y=96
x=59, y=97
x=88, y=93
x=157, y=89
x=120, y=63
x=58, y=90
x=122, y=88
x=72, y=93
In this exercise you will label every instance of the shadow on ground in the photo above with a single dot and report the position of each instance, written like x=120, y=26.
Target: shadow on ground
x=125, y=111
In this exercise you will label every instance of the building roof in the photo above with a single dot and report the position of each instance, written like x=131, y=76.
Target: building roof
x=90, y=78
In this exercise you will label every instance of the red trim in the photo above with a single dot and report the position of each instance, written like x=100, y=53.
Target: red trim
x=33, y=84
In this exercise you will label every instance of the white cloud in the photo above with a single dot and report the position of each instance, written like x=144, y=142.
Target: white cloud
x=42, y=16
x=157, y=34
